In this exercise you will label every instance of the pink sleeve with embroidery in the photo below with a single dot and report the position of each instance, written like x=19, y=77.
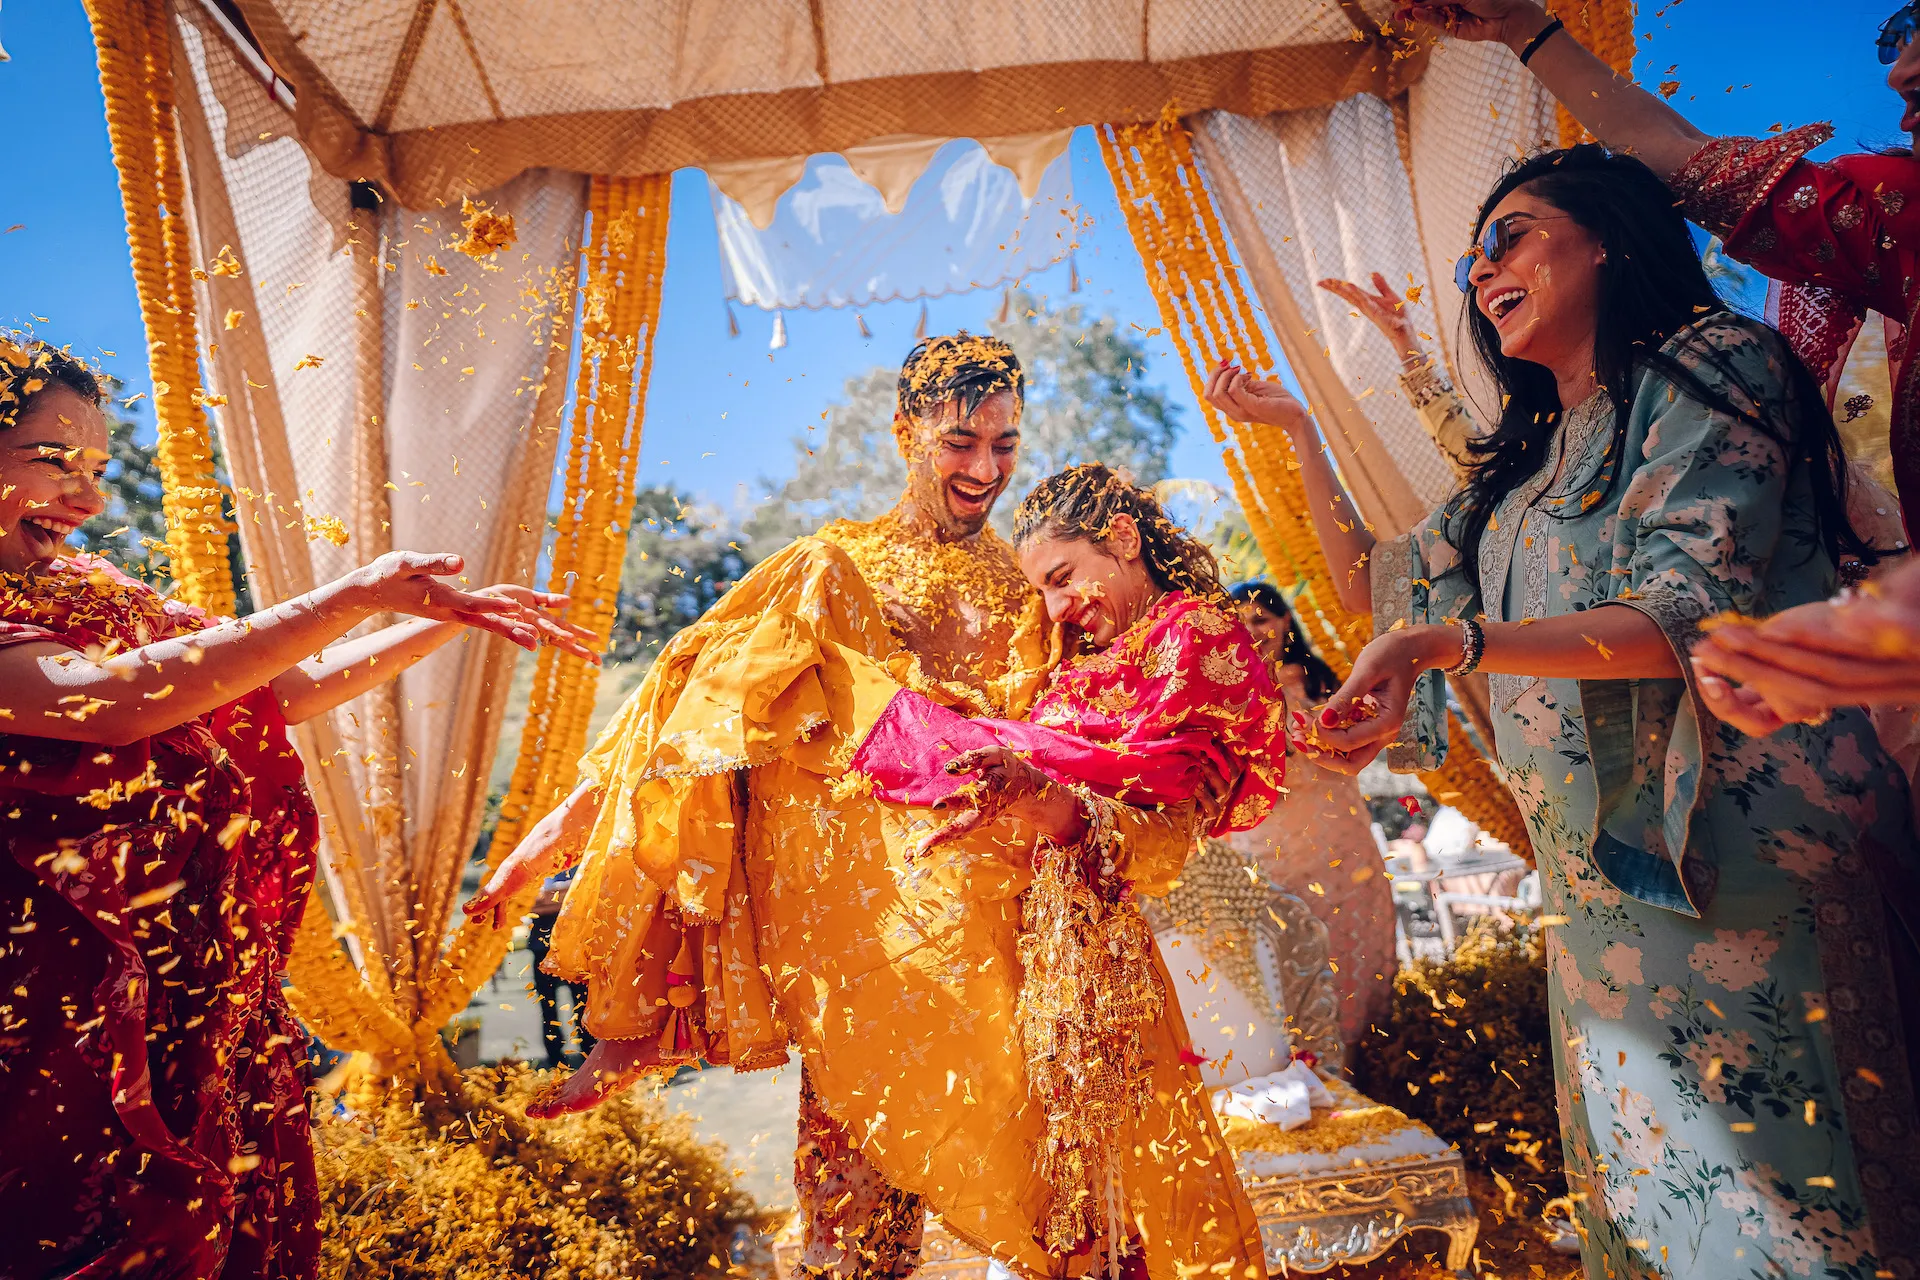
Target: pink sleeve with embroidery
x=1828, y=225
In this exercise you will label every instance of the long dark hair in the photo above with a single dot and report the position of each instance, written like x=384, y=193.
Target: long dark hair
x=1321, y=682
x=1079, y=504
x=1652, y=289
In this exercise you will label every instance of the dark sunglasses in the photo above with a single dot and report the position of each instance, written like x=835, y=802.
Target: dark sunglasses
x=1897, y=32
x=1499, y=237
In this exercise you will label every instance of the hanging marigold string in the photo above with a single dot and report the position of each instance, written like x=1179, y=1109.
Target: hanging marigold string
x=625, y=262
x=136, y=78
x=1605, y=27
x=1205, y=309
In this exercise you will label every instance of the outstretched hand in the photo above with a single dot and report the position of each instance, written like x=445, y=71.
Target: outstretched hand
x=537, y=855
x=1005, y=785
x=412, y=582
x=1801, y=663
x=541, y=610
x=1365, y=714
x=1384, y=309
x=1739, y=706
x=531, y=861
x=1245, y=398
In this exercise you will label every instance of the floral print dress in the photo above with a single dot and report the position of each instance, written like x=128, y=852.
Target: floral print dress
x=1732, y=1065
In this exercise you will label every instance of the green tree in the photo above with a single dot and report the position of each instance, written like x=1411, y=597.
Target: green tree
x=680, y=559
x=132, y=531
x=1087, y=400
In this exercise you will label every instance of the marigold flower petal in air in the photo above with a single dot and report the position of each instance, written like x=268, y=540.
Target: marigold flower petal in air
x=487, y=232
x=329, y=527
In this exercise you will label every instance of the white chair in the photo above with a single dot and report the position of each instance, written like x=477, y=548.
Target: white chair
x=1344, y=1187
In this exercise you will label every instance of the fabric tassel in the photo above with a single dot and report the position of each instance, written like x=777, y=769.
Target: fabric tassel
x=862, y=322
x=676, y=1037
x=1073, y=274
x=1006, y=306
x=920, y=330
x=733, y=325
x=1088, y=990
x=779, y=331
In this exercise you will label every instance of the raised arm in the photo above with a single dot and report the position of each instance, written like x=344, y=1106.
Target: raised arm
x=1344, y=539
x=346, y=671
x=1610, y=106
x=1431, y=396
x=51, y=691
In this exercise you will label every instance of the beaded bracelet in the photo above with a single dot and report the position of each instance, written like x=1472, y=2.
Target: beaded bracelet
x=1473, y=643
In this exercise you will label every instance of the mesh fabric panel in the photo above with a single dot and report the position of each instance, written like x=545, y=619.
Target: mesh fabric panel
x=1331, y=198
x=437, y=100
x=1474, y=110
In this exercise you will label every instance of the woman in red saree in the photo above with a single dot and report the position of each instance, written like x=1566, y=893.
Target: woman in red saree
x=159, y=845
x=1168, y=693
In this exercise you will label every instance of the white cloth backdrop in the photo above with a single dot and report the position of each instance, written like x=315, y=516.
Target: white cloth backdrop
x=1329, y=192
x=1473, y=112
x=836, y=239
x=420, y=361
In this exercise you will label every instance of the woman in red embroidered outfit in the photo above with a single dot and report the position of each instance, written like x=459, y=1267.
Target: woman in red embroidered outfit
x=1839, y=238
x=159, y=846
x=1168, y=693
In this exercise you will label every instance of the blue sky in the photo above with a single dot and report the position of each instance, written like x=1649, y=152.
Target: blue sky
x=65, y=270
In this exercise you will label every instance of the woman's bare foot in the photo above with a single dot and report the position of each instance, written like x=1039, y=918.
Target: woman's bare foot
x=612, y=1066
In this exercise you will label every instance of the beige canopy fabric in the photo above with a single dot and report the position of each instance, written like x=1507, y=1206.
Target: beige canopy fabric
x=437, y=98
x=1361, y=186
x=377, y=378
x=1474, y=111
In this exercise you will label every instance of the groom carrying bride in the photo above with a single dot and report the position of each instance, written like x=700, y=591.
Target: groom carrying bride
x=738, y=892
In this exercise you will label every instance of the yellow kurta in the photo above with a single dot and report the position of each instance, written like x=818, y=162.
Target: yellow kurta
x=896, y=978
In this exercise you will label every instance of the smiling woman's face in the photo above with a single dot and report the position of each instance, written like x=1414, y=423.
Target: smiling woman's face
x=1542, y=297
x=1100, y=587
x=52, y=460
x=1270, y=630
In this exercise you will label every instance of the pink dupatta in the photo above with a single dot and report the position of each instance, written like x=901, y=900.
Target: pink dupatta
x=1137, y=722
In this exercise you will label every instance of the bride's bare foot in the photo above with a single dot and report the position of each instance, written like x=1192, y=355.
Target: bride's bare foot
x=613, y=1065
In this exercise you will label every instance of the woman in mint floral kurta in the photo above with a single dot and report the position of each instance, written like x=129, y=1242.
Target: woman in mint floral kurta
x=1734, y=1085
x=1718, y=991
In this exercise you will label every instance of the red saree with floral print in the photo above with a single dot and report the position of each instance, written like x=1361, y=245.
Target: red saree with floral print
x=152, y=1080
x=1138, y=722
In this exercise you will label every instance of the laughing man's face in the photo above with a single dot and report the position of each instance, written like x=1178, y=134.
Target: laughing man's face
x=961, y=464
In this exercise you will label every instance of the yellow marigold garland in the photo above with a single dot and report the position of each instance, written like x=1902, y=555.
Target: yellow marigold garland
x=1605, y=27
x=626, y=260
x=1207, y=314
x=136, y=78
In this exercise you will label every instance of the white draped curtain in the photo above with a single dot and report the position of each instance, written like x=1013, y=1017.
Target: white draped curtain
x=1360, y=186
x=377, y=376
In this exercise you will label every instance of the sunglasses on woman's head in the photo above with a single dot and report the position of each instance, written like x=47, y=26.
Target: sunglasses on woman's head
x=1897, y=32
x=1500, y=236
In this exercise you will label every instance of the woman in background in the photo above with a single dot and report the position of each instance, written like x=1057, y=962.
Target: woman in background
x=1318, y=842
